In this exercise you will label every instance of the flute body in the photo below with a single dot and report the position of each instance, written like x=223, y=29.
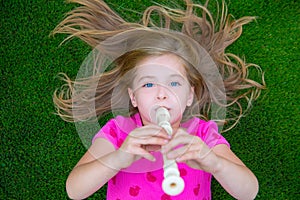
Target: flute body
x=172, y=184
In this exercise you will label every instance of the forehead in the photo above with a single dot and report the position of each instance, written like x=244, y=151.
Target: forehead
x=162, y=64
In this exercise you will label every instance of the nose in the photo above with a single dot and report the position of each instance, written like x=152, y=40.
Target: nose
x=161, y=93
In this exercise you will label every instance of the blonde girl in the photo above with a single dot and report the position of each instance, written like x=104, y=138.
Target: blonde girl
x=179, y=63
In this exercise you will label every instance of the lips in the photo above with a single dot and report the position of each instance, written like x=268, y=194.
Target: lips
x=161, y=106
x=153, y=111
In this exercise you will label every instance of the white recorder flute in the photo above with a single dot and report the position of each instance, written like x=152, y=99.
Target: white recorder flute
x=172, y=184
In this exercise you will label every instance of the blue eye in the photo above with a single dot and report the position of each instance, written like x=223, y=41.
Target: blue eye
x=174, y=84
x=148, y=85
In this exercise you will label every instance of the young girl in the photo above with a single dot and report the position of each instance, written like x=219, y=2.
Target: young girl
x=140, y=68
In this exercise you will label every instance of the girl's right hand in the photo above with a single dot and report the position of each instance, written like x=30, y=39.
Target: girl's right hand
x=140, y=142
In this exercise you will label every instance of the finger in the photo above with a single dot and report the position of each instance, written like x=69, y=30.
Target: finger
x=152, y=141
x=181, y=131
x=151, y=148
x=190, y=155
x=149, y=131
x=138, y=151
x=132, y=142
x=145, y=154
x=177, y=152
x=179, y=140
x=162, y=133
x=198, y=147
x=194, y=155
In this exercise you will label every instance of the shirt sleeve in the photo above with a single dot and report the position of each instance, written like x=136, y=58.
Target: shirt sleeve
x=108, y=132
x=210, y=135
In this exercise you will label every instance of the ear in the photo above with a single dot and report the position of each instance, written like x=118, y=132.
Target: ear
x=190, y=97
x=132, y=97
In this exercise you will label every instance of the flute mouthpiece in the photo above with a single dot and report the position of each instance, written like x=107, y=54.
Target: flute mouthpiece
x=163, y=118
x=162, y=114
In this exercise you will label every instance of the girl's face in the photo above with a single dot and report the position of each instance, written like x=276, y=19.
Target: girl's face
x=161, y=81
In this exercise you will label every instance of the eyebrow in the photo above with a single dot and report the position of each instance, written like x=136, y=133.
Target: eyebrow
x=154, y=78
x=178, y=75
x=145, y=77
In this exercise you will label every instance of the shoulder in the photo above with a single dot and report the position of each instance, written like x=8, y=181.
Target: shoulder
x=198, y=125
x=206, y=130
x=117, y=129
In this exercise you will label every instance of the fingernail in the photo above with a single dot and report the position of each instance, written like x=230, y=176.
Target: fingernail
x=178, y=159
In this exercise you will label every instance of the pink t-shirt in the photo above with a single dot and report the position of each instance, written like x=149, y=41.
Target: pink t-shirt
x=142, y=180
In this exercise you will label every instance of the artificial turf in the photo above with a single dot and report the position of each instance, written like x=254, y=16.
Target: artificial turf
x=38, y=149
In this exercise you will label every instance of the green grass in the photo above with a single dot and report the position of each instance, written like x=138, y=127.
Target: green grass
x=38, y=149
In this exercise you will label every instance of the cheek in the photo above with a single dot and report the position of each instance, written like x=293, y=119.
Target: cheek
x=180, y=95
x=144, y=98
x=145, y=104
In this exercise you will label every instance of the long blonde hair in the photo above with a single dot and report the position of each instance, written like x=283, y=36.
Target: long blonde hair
x=95, y=23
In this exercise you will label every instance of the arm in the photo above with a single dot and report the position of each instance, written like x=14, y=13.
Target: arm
x=225, y=166
x=90, y=173
x=101, y=162
x=233, y=175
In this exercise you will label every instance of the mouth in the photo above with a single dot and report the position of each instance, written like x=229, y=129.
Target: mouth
x=158, y=106
x=155, y=110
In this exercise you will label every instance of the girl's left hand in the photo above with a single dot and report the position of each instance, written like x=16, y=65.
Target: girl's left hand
x=192, y=150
